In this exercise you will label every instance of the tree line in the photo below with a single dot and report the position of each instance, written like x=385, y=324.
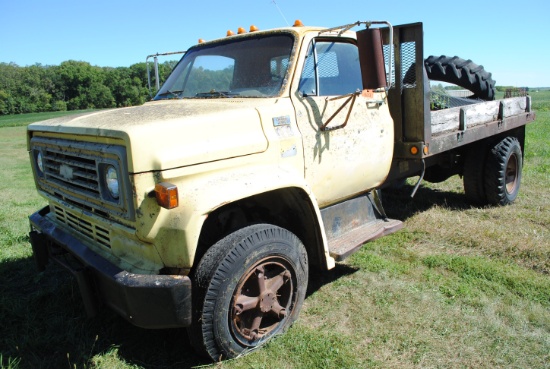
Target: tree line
x=73, y=85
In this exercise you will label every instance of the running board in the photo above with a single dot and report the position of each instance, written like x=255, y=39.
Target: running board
x=351, y=223
x=343, y=246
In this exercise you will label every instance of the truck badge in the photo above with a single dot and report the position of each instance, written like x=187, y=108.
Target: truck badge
x=66, y=172
x=281, y=121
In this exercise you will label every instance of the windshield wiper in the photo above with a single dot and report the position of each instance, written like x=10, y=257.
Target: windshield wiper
x=213, y=94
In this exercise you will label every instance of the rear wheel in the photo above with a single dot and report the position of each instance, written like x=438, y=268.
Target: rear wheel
x=503, y=169
x=249, y=287
x=474, y=174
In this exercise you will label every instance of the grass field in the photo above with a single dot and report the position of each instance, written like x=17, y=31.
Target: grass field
x=19, y=120
x=458, y=287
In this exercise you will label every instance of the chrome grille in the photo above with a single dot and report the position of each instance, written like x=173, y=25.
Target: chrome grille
x=73, y=173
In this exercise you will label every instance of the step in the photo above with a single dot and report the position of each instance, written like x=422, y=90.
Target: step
x=347, y=243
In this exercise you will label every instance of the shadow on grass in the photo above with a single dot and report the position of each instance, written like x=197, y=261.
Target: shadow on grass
x=399, y=204
x=319, y=278
x=44, y=325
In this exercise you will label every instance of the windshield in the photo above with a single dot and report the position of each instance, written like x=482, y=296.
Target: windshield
x=245, y=67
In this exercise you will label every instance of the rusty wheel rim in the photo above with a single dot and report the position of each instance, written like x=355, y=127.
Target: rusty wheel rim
x=511, y=177
x=262, y=300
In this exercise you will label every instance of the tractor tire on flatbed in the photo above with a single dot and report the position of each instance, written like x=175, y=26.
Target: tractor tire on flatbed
x=463, y=73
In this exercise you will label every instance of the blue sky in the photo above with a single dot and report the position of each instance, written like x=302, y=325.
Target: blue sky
x=509, y=37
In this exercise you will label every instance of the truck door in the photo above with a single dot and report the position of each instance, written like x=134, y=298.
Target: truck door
x=352, y=153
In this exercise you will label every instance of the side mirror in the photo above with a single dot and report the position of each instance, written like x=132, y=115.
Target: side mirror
x=371, y=58
x=156, y=70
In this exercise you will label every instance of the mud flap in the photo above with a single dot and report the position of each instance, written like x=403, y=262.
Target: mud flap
x=39, y=250
x=87, y=292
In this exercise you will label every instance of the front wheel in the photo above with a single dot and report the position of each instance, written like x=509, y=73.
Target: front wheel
x=250, y=286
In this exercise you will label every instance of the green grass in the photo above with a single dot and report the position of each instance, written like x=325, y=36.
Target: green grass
x=19, y=120
x=458, y=287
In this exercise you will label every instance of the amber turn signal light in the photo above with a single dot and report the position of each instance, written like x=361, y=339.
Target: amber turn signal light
x=167, y=195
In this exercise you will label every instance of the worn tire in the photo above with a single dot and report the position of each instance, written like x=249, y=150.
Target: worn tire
x=474, y=174
x=503, y=169
x=248, y=287
x=463, y=73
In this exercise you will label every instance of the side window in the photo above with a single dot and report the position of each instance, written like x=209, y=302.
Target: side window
x=337, y=68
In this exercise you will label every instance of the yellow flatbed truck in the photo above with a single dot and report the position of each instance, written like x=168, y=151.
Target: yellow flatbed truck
x=260, y=158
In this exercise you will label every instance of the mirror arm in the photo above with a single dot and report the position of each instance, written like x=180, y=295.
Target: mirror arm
x=351, y=98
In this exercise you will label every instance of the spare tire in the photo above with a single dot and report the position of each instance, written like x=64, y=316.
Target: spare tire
x=463, y=73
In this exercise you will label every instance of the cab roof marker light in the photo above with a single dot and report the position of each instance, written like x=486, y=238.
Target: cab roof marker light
x=253, y=28
x=241, y=30
x=230, y=33
x=201, y=40
x=298, y=23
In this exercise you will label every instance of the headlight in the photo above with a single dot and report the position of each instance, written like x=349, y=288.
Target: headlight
x=40, y=163
x=111, y=179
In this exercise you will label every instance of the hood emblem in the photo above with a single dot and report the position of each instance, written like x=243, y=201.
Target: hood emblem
x=66, y=172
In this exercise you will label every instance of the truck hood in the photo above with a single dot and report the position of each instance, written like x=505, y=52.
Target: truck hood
x=173, y=133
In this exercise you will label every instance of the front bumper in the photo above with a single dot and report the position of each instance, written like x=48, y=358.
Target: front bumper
x=148, y=301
